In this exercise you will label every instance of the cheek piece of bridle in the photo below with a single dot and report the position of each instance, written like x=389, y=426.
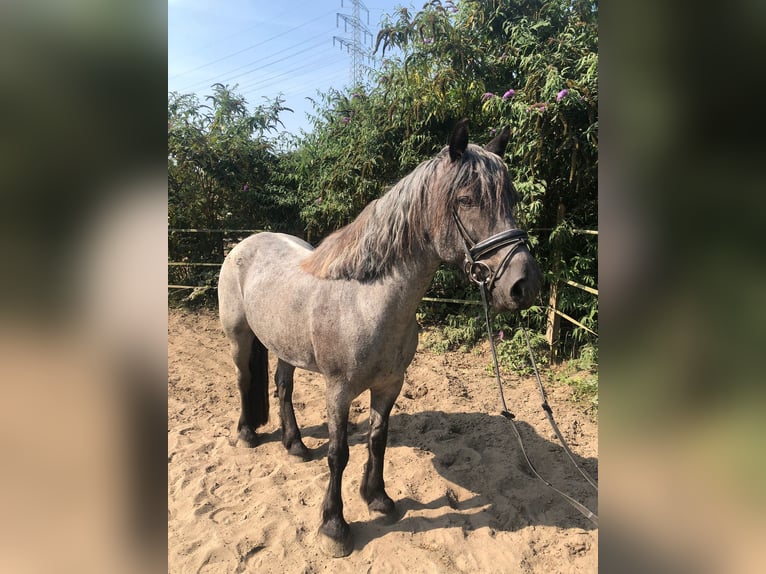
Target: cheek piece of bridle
x=478, y=271
x=484, y=276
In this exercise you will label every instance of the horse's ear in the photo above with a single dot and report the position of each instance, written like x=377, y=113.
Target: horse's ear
x=497, y=146
x=458, y=141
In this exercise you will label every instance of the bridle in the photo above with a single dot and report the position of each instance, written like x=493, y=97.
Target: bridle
x=478, y=271
x=484, y=276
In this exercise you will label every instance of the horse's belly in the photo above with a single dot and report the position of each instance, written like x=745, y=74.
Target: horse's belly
x=282, y=328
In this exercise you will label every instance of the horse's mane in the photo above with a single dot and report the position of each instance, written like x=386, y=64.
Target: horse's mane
x=403, y=220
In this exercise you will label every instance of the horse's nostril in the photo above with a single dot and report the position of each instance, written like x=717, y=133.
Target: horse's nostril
x=518, y=290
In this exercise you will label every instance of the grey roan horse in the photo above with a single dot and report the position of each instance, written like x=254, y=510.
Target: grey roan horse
x=347, y=308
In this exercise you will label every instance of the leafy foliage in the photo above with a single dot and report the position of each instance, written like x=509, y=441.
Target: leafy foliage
x=221, y=163
x=512, y=352
x=582, y=375
x=223, y=172
x=456, y=332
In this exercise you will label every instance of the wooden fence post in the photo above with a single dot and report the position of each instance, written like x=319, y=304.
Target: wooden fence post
x=553, y=322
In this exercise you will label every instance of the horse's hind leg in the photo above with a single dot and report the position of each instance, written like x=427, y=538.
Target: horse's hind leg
x=373, y=487
x=251, y=360
x=291, y=434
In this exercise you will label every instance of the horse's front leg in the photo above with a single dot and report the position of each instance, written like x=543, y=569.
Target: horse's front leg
x=335, y=533
x=373, y=487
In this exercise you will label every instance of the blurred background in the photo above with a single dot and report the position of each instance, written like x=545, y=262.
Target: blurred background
x=83, y=217
x=681, y=208
x=83, y=306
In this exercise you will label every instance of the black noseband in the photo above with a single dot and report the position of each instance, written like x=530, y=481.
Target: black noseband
x=509, y=237
x=478, y=271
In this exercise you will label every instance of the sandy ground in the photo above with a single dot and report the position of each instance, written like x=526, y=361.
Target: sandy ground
x=467, y=501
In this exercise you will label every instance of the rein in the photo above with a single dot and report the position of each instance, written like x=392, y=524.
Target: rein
x=484, y=276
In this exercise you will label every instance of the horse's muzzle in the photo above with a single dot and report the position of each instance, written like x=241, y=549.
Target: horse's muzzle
x=523, y=293
x=524, y=278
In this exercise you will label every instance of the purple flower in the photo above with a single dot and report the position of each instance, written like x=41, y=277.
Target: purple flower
x=492, y=131
x=501, y=334
x=509, y=94
x=345, y=119
x=486, y=96
x=245, y=187
x=428, y=40
x=562, y=94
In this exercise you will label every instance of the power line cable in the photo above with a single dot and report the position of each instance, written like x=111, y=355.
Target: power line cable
x=208, y=64
x=312, y=65
x=223, y=78
x=258, y=24
x=269, y=81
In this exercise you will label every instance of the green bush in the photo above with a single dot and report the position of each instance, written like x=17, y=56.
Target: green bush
x=581, y=374
x=457, y=332
x=512, y=352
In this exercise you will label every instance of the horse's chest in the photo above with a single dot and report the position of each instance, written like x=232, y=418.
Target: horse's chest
x=366, y=349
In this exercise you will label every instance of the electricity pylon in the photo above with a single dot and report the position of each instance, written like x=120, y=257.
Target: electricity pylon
x=356, y=45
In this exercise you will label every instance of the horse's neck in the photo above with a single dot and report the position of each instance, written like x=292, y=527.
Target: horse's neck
x=408, y=281
x=410, y=268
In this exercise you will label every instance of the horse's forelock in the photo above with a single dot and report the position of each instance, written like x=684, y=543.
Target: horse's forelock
x=485, y=173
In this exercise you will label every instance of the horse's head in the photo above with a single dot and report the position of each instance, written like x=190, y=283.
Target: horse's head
x=477, y=227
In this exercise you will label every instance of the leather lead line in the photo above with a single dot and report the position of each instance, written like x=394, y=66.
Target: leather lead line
x=585, y=511
x=473, y=253
x=549, y=415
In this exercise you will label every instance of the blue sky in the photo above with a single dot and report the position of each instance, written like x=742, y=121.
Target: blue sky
x=266, y=47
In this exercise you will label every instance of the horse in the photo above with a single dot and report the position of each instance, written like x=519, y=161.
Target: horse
x=347, y=308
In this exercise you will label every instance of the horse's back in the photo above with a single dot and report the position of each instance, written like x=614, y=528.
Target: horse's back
x=250, y=259
x=267, y=244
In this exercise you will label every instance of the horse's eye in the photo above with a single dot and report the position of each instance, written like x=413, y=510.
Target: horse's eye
x=465, y=201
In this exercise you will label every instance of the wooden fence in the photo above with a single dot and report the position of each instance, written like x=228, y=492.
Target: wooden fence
x=554, y=314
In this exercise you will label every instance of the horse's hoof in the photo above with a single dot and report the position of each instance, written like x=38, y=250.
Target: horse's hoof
x=336, y=547
x=384, y=509
x=247, y=438
x=299, y=450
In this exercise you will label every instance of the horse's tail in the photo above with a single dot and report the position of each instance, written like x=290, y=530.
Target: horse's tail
x=258, y=396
